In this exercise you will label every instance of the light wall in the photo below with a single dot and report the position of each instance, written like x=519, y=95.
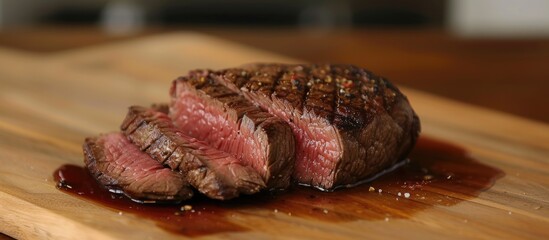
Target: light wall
x=499, y=18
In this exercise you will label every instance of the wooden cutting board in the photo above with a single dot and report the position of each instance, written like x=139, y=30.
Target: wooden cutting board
x=49, y=103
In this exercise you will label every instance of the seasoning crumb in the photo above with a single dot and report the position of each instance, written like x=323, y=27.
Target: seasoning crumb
x=510, y=212
x=289, y=214
x=276, y=210
x=192, y=211
x=406, y=195
x=386, y=219
x=119, y=213
x=427, y=177
x=325, y=211
x=177, y=213
x=449, y=177
x=186, y=208
x=379, y=190
x=371, y=189
x=399, y=194
x=537, y=208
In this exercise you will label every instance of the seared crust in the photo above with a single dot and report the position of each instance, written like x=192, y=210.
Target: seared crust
x=345, y=123
x=345, y=95
x=170, y=188
x=374, y=122
x=154, y=133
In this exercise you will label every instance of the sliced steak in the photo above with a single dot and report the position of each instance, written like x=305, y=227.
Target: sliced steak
x=121, y=167
x=204, y=109
x=348, y=123
x=214, y=173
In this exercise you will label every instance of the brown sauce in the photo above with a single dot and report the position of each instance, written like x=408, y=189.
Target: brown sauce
x=437, y=173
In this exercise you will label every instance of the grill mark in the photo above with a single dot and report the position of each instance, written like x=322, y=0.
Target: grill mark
x=320, y=97
x=157, y=144
x=369, y=91
x=232, y=78
x=209, y=81
x=263, y=79
x=128, y=121
x=282, y=70
x=334, y=94
x=242, y=79
x=140, y=127
x=245, y=77
x=216, y=90
x=162, y=144
x=292, y=86
x=147, y=119
x=380, y=92
x=198, y=76
x=348, y=109
x=131, y=127
x=151, y=122
x=390, y=95
x=307, y=72
x=174, y=160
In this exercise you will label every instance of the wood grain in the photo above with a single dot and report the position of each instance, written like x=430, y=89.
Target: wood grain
x=49, y=103
x=508, y=75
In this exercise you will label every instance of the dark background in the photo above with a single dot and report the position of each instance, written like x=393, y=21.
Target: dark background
x=491, y=53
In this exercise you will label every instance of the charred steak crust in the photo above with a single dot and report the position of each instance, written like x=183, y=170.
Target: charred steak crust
x=205, y=109
x=239, y=130
x=348, y=122
x=122, y=168
x=214, y=173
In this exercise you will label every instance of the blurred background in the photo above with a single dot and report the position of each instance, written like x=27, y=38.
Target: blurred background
x=491, y=53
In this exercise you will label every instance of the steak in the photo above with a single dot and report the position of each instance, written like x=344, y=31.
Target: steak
x=348, y=123
x=121, y=167
x=203, y=108
x=260, y=126
x=212, y=172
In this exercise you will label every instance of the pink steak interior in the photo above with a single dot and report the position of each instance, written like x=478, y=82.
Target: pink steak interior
x=209, y=123
x=135, y=168
x=129, y=158
x=318, y=149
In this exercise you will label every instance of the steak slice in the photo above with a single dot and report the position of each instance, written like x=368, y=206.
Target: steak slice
x=204, y=109
x=214, y=173
x=348, y=123
x=121, y=167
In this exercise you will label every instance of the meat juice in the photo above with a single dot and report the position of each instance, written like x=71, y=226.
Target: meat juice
x=436, y=173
